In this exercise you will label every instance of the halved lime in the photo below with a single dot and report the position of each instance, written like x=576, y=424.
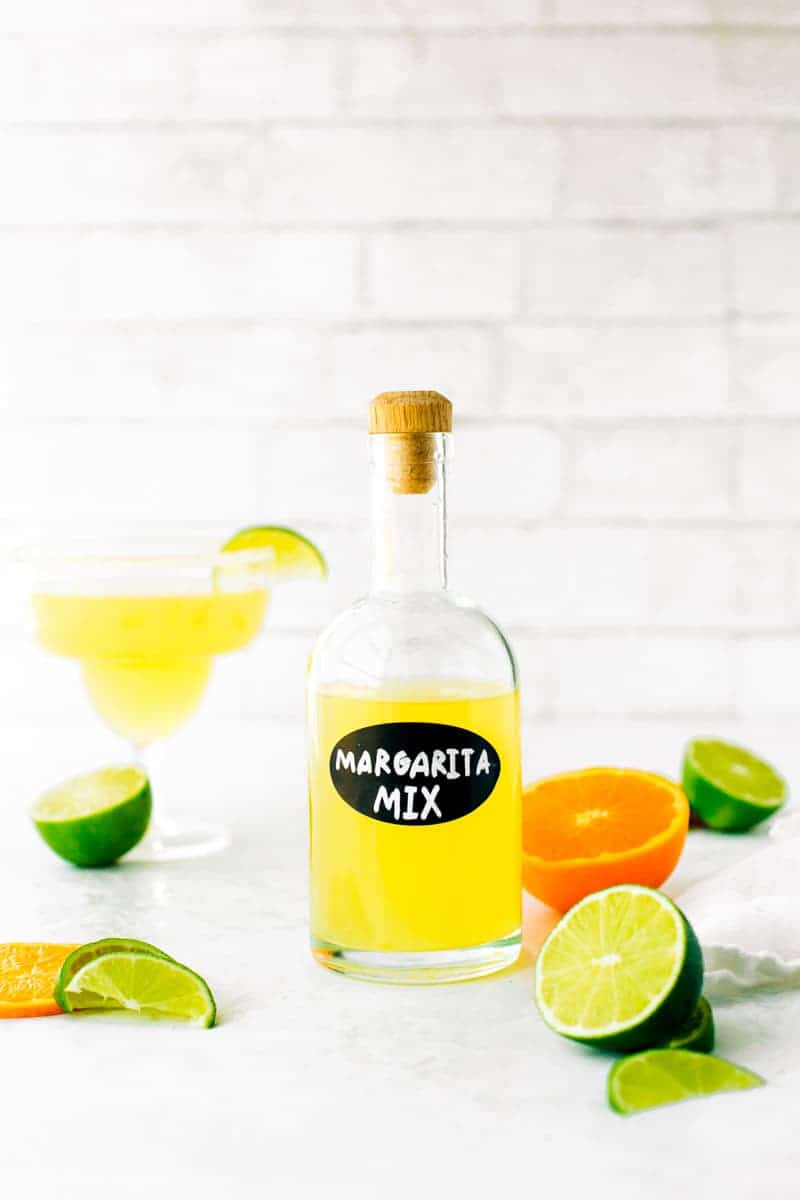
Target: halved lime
x=293, y=555
x=728, y=787
x=696, y=1033
x=134, y=980
x=659, y=1077
x=93, y=819
x=82, y=955
x=621, y=970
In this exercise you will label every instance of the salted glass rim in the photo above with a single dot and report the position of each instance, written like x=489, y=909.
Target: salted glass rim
x=143, y=549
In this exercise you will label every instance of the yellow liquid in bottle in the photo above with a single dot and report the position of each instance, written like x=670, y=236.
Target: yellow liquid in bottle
x=380, y=886
x=146, y=659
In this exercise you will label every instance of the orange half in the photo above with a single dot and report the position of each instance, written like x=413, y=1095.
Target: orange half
x=28, y=974
x=591, y=829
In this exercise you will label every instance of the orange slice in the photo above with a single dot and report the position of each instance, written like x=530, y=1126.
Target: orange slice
x=592, y=829
x=28, y=974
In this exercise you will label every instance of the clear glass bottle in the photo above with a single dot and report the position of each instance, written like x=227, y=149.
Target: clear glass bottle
x=414, y=743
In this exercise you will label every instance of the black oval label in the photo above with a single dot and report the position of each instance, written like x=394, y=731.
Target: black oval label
x=414, y=773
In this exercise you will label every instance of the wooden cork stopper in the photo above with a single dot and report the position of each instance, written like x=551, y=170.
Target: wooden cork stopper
x=410, y=412
x=410, y=420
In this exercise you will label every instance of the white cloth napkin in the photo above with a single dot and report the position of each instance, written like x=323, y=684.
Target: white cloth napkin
x=747, y=917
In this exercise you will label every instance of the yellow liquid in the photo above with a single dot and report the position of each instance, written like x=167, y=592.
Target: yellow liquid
x=146, y=659
x=383, y=887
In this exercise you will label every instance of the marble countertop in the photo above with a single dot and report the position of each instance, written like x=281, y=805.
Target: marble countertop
x=316, y=1083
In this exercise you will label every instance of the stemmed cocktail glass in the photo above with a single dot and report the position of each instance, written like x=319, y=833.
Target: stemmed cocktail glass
x=145, y=616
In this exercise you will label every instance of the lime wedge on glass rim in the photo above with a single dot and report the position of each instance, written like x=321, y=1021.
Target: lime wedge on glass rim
x=659, y=1077
x=93, y=819
x=125, y=975
x=622, y=970
x=292, y=554
x=729, y=788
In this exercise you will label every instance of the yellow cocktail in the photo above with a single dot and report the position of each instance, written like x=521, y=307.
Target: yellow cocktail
x=146, y=659
x=402, y=884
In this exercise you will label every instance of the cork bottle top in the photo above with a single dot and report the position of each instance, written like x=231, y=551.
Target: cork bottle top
x=410, y=412
x=411, y=420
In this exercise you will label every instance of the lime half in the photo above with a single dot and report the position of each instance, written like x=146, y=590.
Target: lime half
x=104, y=976
x=728, y=787
x=293, y=555
x=668, y=1076
x=621, y=970
x=93, y=819
x=696, y=1033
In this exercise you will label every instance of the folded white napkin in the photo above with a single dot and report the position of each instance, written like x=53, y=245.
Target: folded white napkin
x=747, y=917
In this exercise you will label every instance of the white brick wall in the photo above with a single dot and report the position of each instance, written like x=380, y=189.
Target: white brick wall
x=214, y=276
x=448, y=175
x=623, y=273
x=768, y=471
x=653, y=471
x=225, y=224
x=658, y=173
x=442, y=275
x=764, y=255
x=621, y=370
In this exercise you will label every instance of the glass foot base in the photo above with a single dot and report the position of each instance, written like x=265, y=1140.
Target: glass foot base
x=172, y=841
x=435, y=966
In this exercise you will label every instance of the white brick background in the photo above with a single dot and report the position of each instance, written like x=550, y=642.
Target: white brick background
x=225, y=224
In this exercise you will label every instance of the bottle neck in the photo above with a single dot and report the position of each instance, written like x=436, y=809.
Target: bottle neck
x=409, y=526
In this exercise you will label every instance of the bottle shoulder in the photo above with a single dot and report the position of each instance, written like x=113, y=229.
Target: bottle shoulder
x=432, y=636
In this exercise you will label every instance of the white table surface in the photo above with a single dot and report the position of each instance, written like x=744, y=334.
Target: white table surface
x=315, y=1083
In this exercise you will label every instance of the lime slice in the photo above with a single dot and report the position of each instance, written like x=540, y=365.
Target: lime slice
x=728, y=787
x=621, y=970
x=93, y=819
x=293, y=556
x=696, y=1033
x=668, y=1076
x=79, y=957
x=136, y=981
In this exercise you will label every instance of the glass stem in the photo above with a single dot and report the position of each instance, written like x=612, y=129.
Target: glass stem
x=160, y=824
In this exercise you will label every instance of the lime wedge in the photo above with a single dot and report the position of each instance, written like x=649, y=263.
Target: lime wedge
x=93, y=819
x=135, y=980
x=82, y=955
x=668, y=1076
x=293, y=555
x=696, y=1033
x=729, y=788
x=621, y=970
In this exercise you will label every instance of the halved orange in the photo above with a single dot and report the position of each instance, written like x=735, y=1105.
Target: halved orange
x=28, y=974
x=592, y=829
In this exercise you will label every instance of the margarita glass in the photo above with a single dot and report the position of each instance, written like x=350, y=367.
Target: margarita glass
x=145, y=617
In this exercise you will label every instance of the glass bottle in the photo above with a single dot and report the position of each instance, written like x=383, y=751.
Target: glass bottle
x=414, y=742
